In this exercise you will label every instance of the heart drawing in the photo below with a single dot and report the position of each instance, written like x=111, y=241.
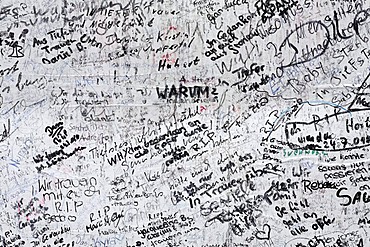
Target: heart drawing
x=263, y=234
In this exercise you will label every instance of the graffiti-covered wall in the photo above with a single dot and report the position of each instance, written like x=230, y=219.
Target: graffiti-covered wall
x=197, y=123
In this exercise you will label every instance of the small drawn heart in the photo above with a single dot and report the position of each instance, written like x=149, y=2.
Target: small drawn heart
x=263, y=234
